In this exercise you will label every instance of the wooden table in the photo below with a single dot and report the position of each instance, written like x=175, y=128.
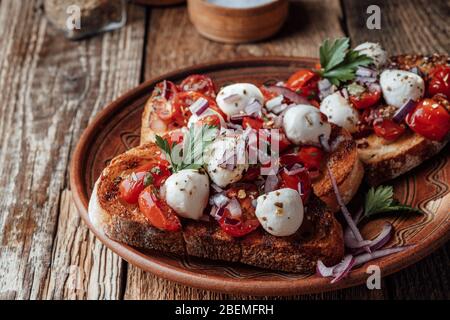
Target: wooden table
x=50, y=89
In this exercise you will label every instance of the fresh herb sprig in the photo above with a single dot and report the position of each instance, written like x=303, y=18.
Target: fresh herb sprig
x=381, y=200
x=195, y=141
x=338, y=62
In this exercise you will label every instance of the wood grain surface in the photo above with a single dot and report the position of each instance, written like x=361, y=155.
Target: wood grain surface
x=50, y=88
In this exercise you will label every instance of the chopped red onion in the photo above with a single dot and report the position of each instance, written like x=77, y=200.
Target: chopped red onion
x=219, y=200
x=300, y=188
x=324, y=84
x=238, y=117
x=216, y=187
x=366, y=72
x=271, y=183
x=199, y=106
x=234, y=207
x=344, y=93
x=401, y=113
x=366, y=80
x=289, y=94
x=233, y=98
x=373, y=87
x=279, y=109
x=253, y=109
x=274, y=102
x=324, y=143
x=345, y=212
x=366, y=257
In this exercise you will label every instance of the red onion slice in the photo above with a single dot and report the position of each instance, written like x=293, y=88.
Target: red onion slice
x=234, y=207
x=296, y=169
x=233, y=98
x=289, y=94
x=199, y=106
x=271, y=183
x=351, y=242
x=401, y=113
x=323, y=270
x=385, y=235
x=341, y=270
x=345, y=212
x=366, y=257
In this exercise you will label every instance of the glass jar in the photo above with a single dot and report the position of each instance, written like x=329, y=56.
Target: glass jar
x=83, y=18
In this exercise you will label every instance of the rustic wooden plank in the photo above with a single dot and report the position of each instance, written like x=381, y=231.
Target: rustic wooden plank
x=50, y=89
x=417, y=26
x=300, y=37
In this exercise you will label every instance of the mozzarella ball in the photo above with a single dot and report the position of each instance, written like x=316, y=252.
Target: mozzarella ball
x=209, y=112
x=215, y=155
x=187, y=193
x=234, y=98
x=339, y=111
x=399, y=86
x=303, y=124
x=374, y=51
x=280, y=212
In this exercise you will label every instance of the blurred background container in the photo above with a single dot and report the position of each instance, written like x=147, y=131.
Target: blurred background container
x=237, y=21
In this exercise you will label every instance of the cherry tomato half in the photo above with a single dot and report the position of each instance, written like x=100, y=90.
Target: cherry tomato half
x=429, y=119
x=199, y=83
x=247, y=222
x=305, y=83
x=157, y=211
x=440, y=81
x=366, y=99
x=293, y=181
x=388, y=129
x=183, y=100
x=134, y=184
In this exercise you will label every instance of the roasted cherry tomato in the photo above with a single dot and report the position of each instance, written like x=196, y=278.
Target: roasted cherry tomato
x=429, y=119
x=388, y=129
x=267, y=94
x=247, y=222
x=199, y=83
x=165, y=89
x=174, y=137
x=305, y=83
x=311, y=157
x=254, y=123
x=440, y=81
x=154, y=173
x=157, y=211
x=293, y=181
x=183, y=100
x=366, y=99
x=210, y=120
x=251, y=174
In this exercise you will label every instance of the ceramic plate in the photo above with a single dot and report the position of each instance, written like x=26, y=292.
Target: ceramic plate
x=117, y=127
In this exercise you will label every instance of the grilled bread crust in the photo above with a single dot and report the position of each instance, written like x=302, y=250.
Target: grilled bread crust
x=384, y=160
x=319, y=237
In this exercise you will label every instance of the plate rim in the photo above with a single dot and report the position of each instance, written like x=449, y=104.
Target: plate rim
x=247, y=286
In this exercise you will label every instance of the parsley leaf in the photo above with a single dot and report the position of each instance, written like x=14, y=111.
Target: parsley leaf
x=381, y=200
x=338, y=62
x=196, y=140
x=332, y=54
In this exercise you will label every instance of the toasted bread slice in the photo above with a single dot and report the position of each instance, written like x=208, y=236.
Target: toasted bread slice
x=343, y=160
x=320, y=236
x=385, y=160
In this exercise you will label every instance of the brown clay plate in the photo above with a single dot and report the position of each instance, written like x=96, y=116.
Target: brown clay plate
x=116, y=129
